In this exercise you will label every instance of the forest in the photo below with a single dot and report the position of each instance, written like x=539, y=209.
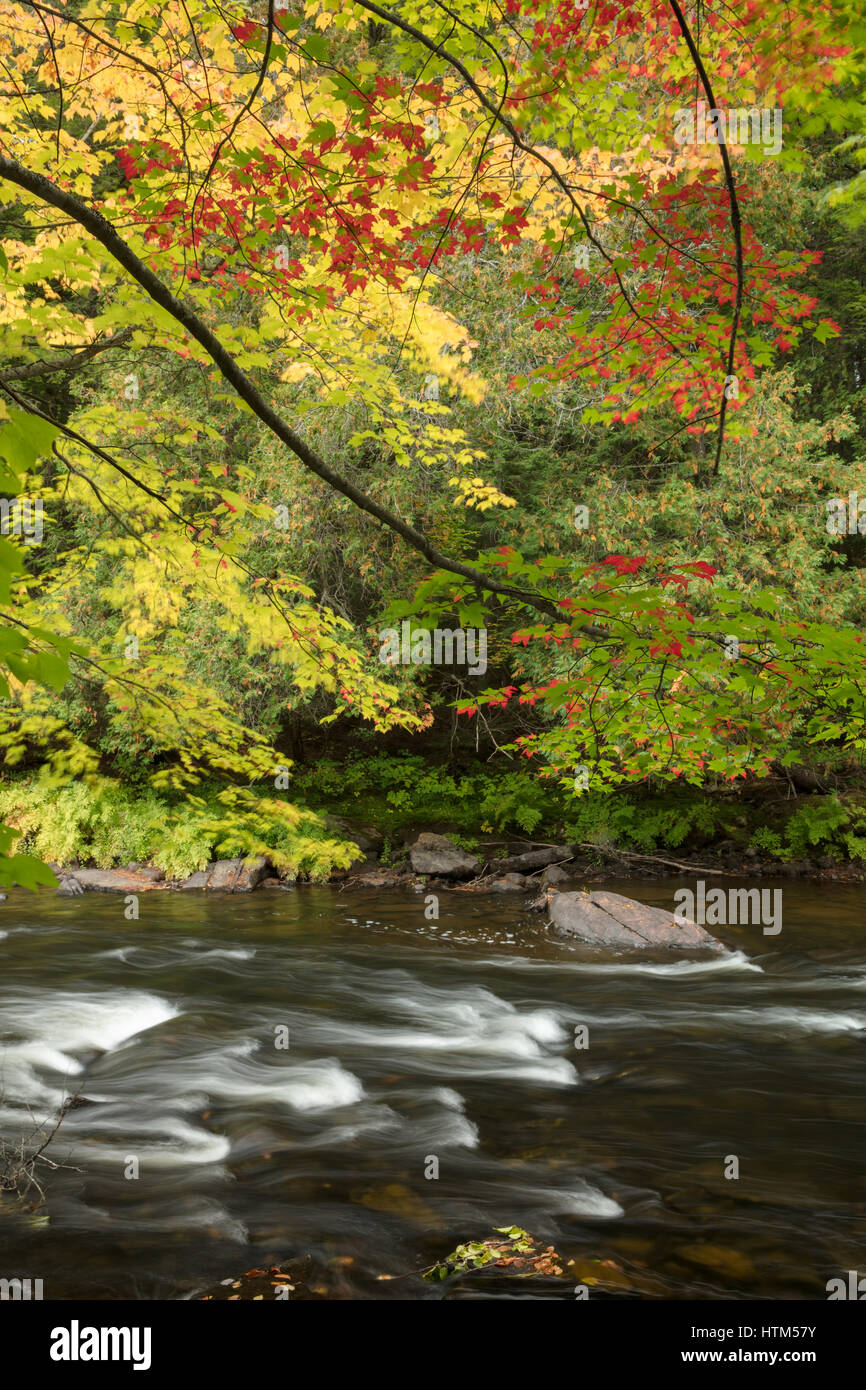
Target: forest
x=433, y=496
x=320, y=320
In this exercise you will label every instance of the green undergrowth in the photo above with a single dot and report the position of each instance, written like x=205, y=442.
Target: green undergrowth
x=105, y=823
x=396, y=793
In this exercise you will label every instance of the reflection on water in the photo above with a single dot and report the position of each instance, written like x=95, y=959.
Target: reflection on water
x=409, y=1039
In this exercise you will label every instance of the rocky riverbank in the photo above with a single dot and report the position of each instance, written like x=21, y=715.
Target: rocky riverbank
x=434, y=861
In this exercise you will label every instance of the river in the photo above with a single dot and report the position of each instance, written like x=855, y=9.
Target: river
x=411, y=1040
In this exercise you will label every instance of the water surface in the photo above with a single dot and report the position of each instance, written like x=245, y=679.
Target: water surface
x=411, y=1040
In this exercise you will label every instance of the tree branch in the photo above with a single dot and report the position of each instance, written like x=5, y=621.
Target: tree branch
x=736, y=224
x=67, y=362
x=102, y=230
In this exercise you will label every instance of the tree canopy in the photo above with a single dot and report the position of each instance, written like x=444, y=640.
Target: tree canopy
x=326, y=316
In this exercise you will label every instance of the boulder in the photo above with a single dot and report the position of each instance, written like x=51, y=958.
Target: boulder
x=229, y=876
x=434, y=854
x=608, y=919
x=69, y=887
x=554, y=874
x=509, y=883
x=106, y=881
x=197, y=880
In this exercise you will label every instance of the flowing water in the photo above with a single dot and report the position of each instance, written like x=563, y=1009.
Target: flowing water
x=412, y=1040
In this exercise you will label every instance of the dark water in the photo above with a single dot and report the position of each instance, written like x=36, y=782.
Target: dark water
x=410, y=1040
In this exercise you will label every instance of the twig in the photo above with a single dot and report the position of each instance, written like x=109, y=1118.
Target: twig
x=656, y=859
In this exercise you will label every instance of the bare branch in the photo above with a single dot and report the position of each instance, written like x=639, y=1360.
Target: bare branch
x=67, y=362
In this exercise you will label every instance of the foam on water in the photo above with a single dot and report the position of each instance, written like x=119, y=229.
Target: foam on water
x=773, y=1018
x=473, y=1033
x=309, y=1086
x=218, y=954
x=189, y=1212
x=580, y=1200
x=797, y=1020
x=731, y=962
x=85, y=1021
x=161, y=1143
x=162, y=958
x=74, y=1023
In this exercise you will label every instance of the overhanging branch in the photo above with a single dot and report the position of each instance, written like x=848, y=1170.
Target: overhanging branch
x=102, y=230
x=67, y=362
x=736, y=224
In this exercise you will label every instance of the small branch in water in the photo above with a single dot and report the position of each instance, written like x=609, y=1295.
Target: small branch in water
x=18, y=1162
x=556, y=865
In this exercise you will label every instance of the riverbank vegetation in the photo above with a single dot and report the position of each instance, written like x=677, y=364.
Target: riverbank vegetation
x=324, y=320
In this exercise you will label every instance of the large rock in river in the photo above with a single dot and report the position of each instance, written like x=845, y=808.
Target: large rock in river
x=434, y=854
x=608, y=919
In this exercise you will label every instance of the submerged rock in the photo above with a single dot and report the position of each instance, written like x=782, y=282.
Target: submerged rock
x=509, y=883
x=435, y=854
x=554, y=874
x=608, y=919
x=512, y=1253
